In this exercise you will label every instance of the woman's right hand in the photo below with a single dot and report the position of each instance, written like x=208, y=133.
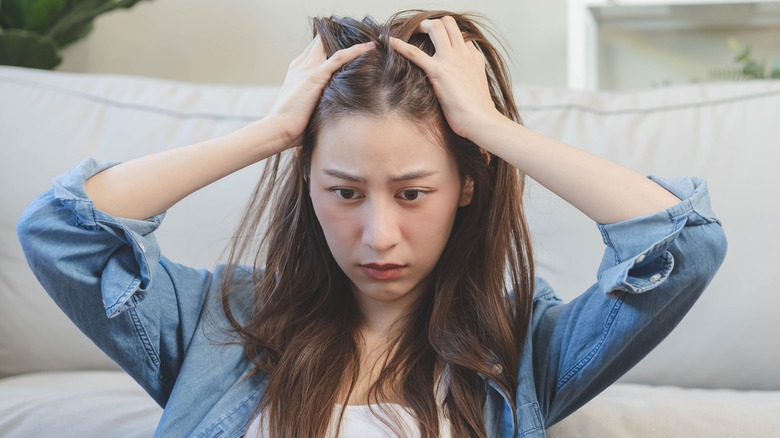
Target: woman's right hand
x=307, y=77
x=149, y=185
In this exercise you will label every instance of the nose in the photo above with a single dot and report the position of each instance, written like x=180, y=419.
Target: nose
x=381, y=228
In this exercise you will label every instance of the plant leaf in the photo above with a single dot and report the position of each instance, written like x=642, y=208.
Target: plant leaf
x=10, y=14
x=33, y=15
x=83, y=12
x=77, y=33
x=744, y=55
x=26, y=49
x=754, y=69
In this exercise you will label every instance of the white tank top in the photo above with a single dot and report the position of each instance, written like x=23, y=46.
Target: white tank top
x=360, y=422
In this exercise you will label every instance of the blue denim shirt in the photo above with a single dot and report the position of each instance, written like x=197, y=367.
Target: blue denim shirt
x=163, y=323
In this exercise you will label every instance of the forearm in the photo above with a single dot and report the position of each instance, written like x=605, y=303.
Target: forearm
x=149, y=185
x=605, y=191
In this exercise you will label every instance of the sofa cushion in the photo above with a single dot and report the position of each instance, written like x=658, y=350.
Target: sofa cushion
x=726, y=133
x=50, y=121
x=76, y=405
x=643, y=411
x=109, y=403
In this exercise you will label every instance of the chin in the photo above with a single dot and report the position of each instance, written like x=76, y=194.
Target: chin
x=384, y=293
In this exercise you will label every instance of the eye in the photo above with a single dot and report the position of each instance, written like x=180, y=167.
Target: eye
x=345, y=193
x=411, y=195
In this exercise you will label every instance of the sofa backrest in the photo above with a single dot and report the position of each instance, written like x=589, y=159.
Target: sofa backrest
x=727, y=133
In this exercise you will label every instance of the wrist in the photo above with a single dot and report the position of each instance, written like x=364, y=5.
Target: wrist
x=267, y=137
x=487, y=128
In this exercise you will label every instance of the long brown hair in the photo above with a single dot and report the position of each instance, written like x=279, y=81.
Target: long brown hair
x=302, y=329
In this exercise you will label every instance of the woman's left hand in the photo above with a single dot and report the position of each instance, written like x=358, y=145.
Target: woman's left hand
x=605, y=191
x=457, y=73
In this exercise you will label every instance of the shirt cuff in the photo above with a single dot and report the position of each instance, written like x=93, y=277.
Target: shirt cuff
x=637, y=258
x=128, y=271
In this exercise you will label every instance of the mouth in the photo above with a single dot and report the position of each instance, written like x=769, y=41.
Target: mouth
x=382, y=271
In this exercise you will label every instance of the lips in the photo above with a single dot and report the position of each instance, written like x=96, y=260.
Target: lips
x=382, y=271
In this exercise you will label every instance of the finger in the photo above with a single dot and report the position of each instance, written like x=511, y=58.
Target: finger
x=309, y=47
x=453, y=32
x=438, y=34
x=412, y=53
x=474, y=48
x=304, y=56
x=318, y=49
x=345, y=56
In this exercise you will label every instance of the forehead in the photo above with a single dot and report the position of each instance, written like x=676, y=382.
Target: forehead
x=385, y=146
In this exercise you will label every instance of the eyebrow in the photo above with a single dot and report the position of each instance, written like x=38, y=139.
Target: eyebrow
x=417, y=174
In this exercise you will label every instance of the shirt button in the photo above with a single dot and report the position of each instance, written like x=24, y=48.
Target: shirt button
x=655, y=277
x=639, y=259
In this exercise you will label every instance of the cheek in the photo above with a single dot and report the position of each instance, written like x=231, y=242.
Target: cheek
x=433, y=225
x=335, y=223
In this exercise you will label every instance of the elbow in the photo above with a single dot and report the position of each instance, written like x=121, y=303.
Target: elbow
x=27, y=226
x=705, y=252
x=29, y=230
x=716, y=247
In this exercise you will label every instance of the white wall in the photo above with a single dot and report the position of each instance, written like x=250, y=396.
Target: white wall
x=253, y=41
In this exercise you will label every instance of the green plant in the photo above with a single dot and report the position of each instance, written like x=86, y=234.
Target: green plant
x=750, y=67
x=32, y=32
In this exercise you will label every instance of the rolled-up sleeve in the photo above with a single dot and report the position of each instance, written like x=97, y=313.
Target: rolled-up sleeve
x=653, y=270
x=107, y=275
x=134, y=253
x=636, y=258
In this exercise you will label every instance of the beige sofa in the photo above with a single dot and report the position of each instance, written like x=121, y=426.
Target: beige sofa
x=717, y=375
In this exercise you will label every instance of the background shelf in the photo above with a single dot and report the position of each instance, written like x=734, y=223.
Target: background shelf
x=632, y=44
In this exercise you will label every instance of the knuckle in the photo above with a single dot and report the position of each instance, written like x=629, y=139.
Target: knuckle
x=437, y=24
x=413, y=51
x=338, y=57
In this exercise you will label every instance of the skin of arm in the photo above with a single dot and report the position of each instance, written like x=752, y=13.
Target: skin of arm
x=150, y=185
x=605, y=191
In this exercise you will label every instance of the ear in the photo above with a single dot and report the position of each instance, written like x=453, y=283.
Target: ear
x=466, y=192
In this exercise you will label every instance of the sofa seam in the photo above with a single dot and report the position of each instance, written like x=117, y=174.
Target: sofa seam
x=132, y=106
x=531, y=108
x=655, y=109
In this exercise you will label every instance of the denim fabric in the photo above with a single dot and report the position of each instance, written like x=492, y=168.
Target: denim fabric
x=163, y=323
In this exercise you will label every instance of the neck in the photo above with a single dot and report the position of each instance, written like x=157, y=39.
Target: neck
x=383, y=318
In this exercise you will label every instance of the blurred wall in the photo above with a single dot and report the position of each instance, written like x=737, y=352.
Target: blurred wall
x=253, y=41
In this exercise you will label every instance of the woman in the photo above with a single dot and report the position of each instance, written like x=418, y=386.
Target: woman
x=376, y=300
